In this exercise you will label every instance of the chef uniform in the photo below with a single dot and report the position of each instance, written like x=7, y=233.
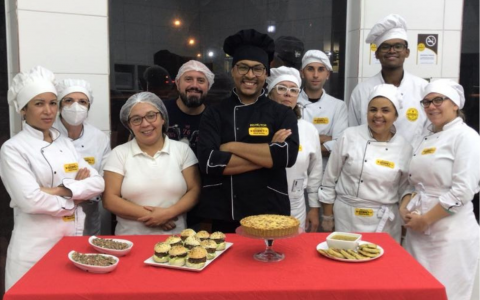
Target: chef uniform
x=28, y=163
x=94, y=146
x=307, y=171
x=231, y=197
x=328, y=114
x=366, y=178
x=411, y=120
x=444, y=170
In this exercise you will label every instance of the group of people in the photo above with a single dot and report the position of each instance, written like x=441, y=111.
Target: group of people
x=399, y=155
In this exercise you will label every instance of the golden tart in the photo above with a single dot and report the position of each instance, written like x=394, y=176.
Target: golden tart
x=270, y=225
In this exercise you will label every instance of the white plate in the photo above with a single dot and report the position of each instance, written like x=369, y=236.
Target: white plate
x=324, y=246
x=111, y=251
x=94, y=269
x=151, y=262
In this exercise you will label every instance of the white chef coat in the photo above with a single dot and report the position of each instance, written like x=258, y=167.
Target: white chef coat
x=306, y=173
x=151, y=181
x=445, y=169
x=94, y=146
x=411, y=121
x=328, y=115
x=366, y=179
x=40, y=219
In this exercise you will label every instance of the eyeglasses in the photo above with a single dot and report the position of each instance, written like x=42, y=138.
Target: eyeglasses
x=257, y=70
x=397, y=47
x=282, y=90
x=150, y=117
x=437, y=101
x=70, y=101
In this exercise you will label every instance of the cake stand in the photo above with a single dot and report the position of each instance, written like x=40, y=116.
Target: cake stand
x=269, y=255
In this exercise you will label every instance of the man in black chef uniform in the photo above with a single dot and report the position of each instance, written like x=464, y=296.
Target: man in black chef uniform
x=242, y=164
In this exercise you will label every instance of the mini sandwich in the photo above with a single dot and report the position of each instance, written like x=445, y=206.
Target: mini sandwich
x=178, y=256
x=203, y=235
x=161, y=252
x=219, y=238
x=174, y=240
x=211, y=248
x=197, y=257
x=186, y=233
x=191, y=242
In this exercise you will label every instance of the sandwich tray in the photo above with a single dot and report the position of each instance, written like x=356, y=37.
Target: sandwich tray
x=151, y=262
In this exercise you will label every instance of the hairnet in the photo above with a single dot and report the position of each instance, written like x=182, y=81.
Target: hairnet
x=391, y=27
x=316, y=56
x=143, y=97
x=194, y=65
x=25, y=86
x=68, y=86
x=388, y=91
x=283, y=74
x=448, y=88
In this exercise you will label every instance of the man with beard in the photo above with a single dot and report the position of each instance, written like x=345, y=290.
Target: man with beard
x=193, y=81
x=240, y=150
x=390, y=37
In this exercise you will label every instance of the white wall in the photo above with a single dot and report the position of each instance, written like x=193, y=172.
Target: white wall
x=69, y=37
x=442, y=17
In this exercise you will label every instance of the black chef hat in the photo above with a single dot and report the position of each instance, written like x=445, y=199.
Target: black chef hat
x=290, y=50
x=250, y=44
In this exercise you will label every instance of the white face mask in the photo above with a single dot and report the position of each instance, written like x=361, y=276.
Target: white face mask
x=74, y=114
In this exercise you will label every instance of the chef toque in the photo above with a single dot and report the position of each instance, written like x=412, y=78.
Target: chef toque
x=143, y=97
x=283, y=74
x=194, y=65
x=250, y=44
x=316, y=56
x=25, y=86
x=391, y=27
x=289, y=50
x=388, y=91
x=68, y=86
x=449, y=89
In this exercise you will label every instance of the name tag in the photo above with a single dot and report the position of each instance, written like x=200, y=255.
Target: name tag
x=69, y=218
x=385, y=163
x=429, y=151
x=320, y=121
x=90, y=160
x=69, y=168
x=364, y=212
x=299, y=147
x=258, y=131
x=412, y=114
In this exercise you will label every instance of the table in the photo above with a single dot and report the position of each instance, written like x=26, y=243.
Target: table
x=303, y=274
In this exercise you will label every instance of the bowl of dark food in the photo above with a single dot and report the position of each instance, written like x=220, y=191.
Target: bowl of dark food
x=117, y=247
x=94, y=262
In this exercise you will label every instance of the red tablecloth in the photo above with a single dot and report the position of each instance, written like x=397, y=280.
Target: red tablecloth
x=303, y=274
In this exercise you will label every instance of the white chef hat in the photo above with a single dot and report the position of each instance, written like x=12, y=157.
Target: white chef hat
x=283, y=74
x=316, y=56
x=388, y=91
x=68, y=86
x=391, y=27
x=448, y=88
x=195, y=65
x=25, y=86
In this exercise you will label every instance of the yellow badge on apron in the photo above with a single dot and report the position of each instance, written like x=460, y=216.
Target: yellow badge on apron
x=299, y=147
x=364, y=212
x=70, y=168
x=69, y=218
x=412, y=114
x=90, y=160
x=258, y=130
x=320, y=121
x=385, y=163
x=429, y=151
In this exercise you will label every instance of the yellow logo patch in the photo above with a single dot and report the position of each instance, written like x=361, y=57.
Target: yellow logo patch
x=90, y=160
x=364, y=212
x=299, y=147
x=69, y=218
x=412, y=114
x=320, y=121
x=69, y=168
x=429, y=151
x=258, y=131
x=385, y=163
x=373, y=47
